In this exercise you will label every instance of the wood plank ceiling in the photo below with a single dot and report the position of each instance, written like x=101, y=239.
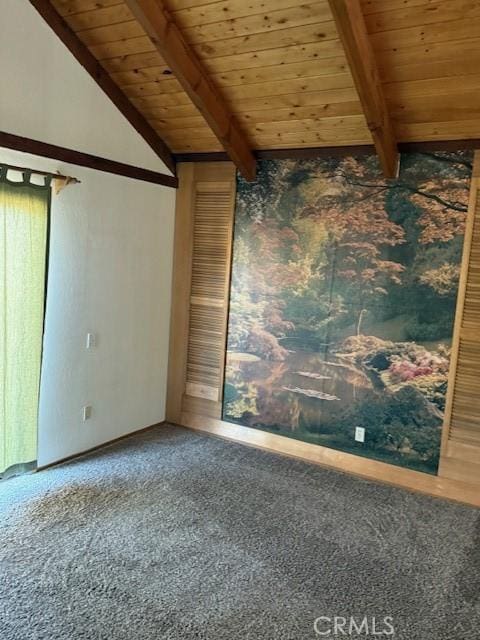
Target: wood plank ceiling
x=282, y=71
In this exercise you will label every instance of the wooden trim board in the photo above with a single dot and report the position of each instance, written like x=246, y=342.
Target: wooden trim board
x=460, y=460
x=416, y=481
x=462, y=288
x=181, y=283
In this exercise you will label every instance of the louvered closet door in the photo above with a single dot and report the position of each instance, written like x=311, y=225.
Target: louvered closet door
x=461, y=445
x=212, y=237
x=203, y=245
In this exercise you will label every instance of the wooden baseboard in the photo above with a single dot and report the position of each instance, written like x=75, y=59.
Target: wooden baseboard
x=100, y=446
x=462, y=470
x=416, y=481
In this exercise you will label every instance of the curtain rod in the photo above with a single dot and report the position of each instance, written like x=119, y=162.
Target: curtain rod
x=69, y=179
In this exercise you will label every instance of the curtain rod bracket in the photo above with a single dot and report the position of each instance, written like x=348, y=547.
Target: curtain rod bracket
x=59, y=182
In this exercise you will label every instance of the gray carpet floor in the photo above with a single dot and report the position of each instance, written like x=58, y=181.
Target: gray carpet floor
x=175, y=535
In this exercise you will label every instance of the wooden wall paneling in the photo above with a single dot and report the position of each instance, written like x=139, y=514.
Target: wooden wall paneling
x=68, y=7
x=218, y=11
x=313, y=112
x=265, y=22
x=426, y=34
x=295, y=100
x=421, y=14
x=133, y=62
x=315, y=51
x=172, y=100
x=140, y=75
x=435, y=110
x=181, y=279
x=292, y=86
x=100, y=17
x=197, y=146
x=239, y=77
x=431, y=131
x=203, y=245
x=130, y=46
x=289, y=71
x=112, y=33
x=277, y=39
x=460, y=456
x=432, y=87
x=422, y=55
x=377, y=6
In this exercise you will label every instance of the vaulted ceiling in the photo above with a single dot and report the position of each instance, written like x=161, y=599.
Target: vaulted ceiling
x=281, y=69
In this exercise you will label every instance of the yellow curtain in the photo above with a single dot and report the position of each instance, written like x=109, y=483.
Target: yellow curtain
x=23, y=241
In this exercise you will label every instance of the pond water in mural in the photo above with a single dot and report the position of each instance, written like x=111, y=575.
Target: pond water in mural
x=342, y=304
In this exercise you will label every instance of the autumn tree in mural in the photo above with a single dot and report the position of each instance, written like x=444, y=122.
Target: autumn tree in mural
x=342, y=303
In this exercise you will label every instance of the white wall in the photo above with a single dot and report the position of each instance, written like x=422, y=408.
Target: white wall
x=111, y=247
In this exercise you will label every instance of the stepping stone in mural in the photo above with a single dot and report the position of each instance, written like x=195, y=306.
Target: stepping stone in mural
x=314, y=376
x=311, y=393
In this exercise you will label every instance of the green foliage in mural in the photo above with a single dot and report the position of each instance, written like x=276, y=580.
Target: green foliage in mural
x=342, y=303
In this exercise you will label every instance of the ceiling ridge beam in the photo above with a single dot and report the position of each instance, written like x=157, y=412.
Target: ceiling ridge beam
x=353, y=33
x=180, y=57
x=103, y=80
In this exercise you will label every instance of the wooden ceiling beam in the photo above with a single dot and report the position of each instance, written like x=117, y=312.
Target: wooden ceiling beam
x=353, y=33
x=71, y=156
x=101, y=77
x=169, y=41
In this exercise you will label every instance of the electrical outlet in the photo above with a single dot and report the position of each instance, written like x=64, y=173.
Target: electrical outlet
x=86, y=413
x=360, y=434
x=91, y=341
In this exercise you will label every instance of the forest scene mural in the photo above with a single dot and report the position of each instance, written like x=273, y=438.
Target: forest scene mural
x=343, y=297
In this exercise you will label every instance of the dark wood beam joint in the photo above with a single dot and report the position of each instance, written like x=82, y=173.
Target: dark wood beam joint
x=104, y=81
